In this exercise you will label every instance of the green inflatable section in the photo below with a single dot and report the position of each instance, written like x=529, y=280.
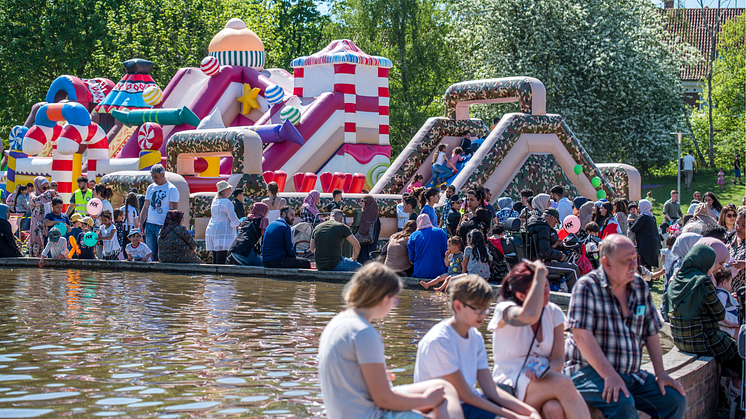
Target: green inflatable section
x=160, y=116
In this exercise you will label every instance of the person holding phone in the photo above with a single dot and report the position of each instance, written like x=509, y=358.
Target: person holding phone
x=531, y=365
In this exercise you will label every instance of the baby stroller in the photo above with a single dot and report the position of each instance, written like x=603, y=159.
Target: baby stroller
x=302, y=233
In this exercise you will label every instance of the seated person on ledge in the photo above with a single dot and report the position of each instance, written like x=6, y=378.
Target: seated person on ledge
x=453, y=350
x=331, y=234
x=277, y=245
x=604, y=352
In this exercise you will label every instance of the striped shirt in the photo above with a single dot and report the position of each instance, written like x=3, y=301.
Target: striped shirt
x=594, y=307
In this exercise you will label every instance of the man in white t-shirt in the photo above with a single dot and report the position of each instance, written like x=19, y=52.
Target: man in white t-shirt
x=690, y=165
x=454, y=350
x=161, y=197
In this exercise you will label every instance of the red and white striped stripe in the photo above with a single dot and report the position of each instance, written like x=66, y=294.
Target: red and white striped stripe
x=344, y=81
x=383, y=106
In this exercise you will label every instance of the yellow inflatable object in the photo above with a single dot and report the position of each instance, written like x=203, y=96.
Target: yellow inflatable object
x=248, y=99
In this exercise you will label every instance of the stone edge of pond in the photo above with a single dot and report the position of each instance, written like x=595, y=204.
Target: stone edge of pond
x=698, y=374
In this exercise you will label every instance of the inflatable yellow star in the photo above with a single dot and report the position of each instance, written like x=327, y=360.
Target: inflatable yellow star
x=248, y=99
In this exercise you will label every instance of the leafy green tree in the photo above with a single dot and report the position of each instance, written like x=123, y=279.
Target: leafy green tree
x=727, y=93
x=301, y=29
x=608, y=67
x=416, y=36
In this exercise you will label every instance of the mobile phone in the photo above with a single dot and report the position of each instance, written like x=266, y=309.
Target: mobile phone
x=541, y=371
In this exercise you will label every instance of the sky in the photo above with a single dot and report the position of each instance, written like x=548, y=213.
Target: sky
x=714, y=3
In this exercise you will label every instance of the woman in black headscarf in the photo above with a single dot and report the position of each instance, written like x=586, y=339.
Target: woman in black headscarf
x=175, y=243
x=370, y=228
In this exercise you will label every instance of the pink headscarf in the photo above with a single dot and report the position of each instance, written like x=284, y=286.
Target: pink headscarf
x=259, y=212
x=310, y=202
x=39, y=181
x=423, y=222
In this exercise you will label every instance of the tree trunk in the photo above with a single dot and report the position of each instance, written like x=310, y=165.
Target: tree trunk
x=711, y=150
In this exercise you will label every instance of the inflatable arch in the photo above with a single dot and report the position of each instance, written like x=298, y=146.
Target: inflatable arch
x=506, y=148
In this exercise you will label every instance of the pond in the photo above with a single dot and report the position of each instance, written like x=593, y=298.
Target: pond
x=98, y=344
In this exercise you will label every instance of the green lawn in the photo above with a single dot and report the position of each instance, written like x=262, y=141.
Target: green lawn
x=704, y=181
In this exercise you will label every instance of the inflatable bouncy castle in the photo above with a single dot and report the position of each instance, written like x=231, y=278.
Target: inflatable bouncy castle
x=324, y=126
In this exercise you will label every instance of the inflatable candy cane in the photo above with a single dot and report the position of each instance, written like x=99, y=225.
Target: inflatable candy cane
x=93, y=135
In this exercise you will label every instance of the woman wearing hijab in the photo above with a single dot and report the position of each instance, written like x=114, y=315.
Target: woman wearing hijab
x=696, y=310
x=246, y=248
x=41, y=198
x=646, y=233
x=8, y=246
x=681, y=247
x=369, y=229
x=427, y=247
x=539, y=204
x=506, y=210
x=309, y=211
x=175, y=243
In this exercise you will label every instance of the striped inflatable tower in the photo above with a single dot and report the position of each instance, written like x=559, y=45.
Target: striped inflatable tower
x=62, y=173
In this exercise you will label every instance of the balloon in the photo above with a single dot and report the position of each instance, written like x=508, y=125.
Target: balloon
x=601, y=194
x=571, y=224
x=596, y=181
x=62, y=227
x=578, y=169
x=90, y=239
x=95, y=206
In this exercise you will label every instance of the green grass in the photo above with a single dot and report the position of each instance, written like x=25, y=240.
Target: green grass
x=704, y=181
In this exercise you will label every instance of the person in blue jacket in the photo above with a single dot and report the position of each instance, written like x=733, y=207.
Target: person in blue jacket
x=427, y=247
x=277, y=245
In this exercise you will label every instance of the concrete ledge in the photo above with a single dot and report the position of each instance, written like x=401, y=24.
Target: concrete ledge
x=307, y=275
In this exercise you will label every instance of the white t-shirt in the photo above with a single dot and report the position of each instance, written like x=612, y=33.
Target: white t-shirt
x=111, y=244
x=441, y=158
x=160, y=197
x=139, y=253
x=347, y=342
x=106, y=205
x=55, y=249
x=443, y=351
x=689, y=162
x=129, y=223
x=510, y=345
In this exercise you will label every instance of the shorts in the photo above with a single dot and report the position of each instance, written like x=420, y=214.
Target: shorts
x=407, y=414
x=471, y=412
x=737, y=173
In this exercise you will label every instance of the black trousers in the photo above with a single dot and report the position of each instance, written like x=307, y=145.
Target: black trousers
x=219, y=257
x=288, y=262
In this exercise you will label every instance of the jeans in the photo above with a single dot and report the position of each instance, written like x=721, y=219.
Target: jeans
x=347, y=265
x=251, y=260
x=151, y=239
x=441, y=172
x=645, y=397
x=288, y=262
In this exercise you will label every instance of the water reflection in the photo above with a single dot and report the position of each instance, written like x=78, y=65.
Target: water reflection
x=108, y=343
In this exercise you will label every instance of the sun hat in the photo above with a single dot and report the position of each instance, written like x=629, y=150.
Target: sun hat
x=223, y=185
x=133, y=232
x=76, y=217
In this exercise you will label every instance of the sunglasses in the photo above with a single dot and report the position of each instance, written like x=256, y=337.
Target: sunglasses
x=478, y=311
x=731, y=215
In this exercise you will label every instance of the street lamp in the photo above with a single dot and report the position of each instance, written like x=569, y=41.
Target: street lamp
x=679, y=136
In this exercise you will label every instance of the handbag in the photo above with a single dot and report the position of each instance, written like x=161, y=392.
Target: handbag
x=366, y=237
x=512, y=389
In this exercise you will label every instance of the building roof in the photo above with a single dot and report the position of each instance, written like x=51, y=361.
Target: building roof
x=690, y=25
x=341, y=51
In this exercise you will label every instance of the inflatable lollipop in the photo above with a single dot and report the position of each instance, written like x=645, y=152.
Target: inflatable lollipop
x=95, y=206
x=152, y=95
x=210, y=66
x=150, y=136
x=290, y=113
x=274, y=94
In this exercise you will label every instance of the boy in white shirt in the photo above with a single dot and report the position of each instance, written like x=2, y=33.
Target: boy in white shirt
x=454, y=351
x=136, y=250
x=56, y=247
